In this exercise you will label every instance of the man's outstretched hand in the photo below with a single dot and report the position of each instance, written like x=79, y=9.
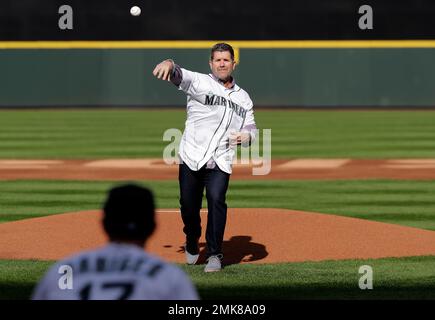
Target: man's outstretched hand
x=163, y=70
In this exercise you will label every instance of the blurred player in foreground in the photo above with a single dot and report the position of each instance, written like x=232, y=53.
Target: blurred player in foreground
x=121, y=270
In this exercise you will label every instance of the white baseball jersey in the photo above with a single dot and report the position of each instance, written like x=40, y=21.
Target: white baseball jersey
x=213, y=112
x=115, y=272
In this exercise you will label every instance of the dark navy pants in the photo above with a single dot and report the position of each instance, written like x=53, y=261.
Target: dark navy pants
x=192, y=185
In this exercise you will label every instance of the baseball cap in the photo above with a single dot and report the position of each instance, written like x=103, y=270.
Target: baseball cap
x=129, y=212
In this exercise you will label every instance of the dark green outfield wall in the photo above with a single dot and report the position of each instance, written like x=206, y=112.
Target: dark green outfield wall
x=273, y=77
x=341, y=77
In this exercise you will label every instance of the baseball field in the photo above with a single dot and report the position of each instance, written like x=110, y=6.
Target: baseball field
x=347, y=189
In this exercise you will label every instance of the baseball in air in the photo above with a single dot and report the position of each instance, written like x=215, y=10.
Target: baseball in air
x=135, y=11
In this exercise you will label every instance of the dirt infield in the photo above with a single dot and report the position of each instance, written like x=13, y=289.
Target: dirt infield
x=156, y=169
x=252, y=235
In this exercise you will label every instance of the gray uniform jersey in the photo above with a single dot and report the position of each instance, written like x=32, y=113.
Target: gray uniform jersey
x=213, y=112
x=115, y=272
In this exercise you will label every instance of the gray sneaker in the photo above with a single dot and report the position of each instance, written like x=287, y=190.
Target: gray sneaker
x=190, y=258
x=214, y=263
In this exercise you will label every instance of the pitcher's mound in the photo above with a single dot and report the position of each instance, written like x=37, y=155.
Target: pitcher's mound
x=252, y=235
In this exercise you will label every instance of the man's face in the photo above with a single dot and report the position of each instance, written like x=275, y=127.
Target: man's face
x=222, y=66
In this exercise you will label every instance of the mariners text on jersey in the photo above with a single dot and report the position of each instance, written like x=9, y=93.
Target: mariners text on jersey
x=214, y=100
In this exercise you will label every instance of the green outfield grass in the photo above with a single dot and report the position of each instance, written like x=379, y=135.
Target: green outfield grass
x=88, y=134
x=394, y=278
x=403, y=202
x=410, y=203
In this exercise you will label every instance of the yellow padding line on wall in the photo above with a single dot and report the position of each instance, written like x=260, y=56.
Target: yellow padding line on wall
x=290, y=44
x=237, y=45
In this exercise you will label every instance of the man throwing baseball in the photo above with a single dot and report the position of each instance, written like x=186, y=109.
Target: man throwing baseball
x=220, y=116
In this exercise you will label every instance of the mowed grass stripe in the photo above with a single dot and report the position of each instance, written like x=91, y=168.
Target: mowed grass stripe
x=393, y=278
x=407, y=202
x=86, y=134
